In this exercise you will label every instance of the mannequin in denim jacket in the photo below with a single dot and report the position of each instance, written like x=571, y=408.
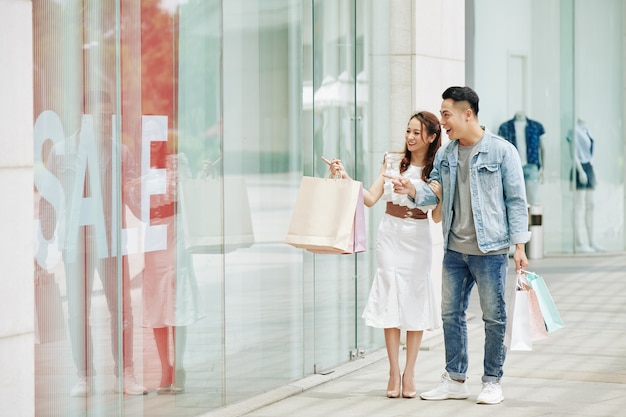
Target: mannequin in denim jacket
x=527, y=136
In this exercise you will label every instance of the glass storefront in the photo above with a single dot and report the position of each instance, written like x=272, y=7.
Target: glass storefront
x=170, y=138
x=593, y=124
x=561, y=66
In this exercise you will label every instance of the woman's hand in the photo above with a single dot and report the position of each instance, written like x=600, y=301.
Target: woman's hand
x=336, y=168
x=435, y=187
x=401, y=185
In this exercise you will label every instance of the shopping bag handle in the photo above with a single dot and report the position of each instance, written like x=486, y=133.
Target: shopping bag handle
x=522, y=282
x=531, y=275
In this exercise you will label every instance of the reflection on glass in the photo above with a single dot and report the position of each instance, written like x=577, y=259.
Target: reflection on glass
x=183, y=197
x=169, y=289
x=83, y=167
x=583, y=176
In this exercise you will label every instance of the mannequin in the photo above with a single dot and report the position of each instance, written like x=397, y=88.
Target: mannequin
x=585, y=180
x=527, y=136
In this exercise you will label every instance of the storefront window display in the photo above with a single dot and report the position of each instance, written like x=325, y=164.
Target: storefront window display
x=540, y=88
x=169, y=141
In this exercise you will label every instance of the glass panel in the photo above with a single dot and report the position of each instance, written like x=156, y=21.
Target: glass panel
x=199, y=134
x=548, y=70
x=334, y=74
x=372, y=29
x=81, y=161
x=262, y=127
x=181, y=285
x=597, y=126
x=560, y=233
x=57, y=116
x=106, y=191
x=592, y=170
x=170, y=141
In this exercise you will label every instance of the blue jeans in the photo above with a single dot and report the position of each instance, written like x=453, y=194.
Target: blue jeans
x=460, y=273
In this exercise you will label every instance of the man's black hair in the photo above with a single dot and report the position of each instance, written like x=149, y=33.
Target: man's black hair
x=462, y=94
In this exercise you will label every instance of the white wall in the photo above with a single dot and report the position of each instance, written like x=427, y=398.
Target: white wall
x=16, y=181
x=428, y=55
x=439, y=59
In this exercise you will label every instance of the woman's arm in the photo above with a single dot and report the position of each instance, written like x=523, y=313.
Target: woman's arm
x=371, y=196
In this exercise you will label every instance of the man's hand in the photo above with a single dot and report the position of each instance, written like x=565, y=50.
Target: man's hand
x=521, y=261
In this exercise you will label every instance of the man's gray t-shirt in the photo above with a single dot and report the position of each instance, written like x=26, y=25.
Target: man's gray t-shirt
x=462, y=237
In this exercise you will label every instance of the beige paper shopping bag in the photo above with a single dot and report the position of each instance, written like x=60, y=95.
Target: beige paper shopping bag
x=323, y=217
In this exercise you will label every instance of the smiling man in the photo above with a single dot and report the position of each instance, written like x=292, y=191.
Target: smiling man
x=484, y=212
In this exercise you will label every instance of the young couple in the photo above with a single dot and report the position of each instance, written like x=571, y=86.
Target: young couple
x=475, y=185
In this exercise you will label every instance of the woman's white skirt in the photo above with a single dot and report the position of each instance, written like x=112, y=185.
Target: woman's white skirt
x=402, y=293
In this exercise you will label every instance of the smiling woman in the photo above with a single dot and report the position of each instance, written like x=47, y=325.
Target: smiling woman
x=401, y=298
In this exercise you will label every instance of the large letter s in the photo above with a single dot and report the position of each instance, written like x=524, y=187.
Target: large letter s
x=48, y=126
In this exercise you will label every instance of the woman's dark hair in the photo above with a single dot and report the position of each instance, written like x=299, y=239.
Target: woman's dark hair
x=462, y=94
x=430, y=126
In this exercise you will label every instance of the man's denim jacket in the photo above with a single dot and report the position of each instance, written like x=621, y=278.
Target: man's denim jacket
x=497, y=188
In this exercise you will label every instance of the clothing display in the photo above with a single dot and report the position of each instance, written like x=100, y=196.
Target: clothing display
x=534, y=130
x=530, y=150
x=583, y=174
x=403, y=292
x=584, y=155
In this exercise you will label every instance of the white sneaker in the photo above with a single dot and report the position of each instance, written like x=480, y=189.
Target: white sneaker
x=491, y=394
x=130, y=384
x=447, y=389
x=83, y=387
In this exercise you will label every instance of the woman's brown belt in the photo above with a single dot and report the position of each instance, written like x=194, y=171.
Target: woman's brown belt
x=404, y=212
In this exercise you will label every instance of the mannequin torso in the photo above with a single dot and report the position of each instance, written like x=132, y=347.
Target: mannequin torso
x=520, y=134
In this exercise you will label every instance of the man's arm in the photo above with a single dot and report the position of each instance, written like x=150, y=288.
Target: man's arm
x=516, y=204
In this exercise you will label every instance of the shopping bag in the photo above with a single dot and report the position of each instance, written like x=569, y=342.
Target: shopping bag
x=517, y=335
x=525, y=322
x=550, y=314
x=215, y=214
x=49, y=317
x=537, y=325
x=358, y=239
x=328, y=217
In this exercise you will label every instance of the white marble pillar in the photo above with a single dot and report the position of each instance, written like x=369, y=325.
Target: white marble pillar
x=16, y=209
